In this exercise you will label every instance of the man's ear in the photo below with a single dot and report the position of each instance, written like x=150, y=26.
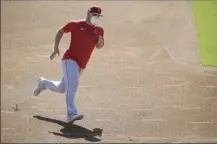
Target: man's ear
x=88, y=15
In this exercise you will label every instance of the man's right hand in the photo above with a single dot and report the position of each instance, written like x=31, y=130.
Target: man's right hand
x=56, y=44
x=54, y=53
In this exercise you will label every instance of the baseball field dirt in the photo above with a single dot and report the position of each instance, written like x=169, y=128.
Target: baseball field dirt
x=145, y=86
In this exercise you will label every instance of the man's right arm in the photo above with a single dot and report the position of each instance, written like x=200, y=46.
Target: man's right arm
x=56, y=50
x=58, y=37
x=65, y=29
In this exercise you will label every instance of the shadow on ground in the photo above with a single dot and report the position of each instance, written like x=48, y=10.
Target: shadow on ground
x=73, y=131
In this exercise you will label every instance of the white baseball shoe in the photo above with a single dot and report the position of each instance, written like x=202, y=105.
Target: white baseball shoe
x=39, y=87
x=72, y=118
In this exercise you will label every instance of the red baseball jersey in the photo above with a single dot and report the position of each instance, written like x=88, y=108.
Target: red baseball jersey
x=83, y=40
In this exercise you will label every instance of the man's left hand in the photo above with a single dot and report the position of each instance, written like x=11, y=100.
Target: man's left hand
x=100, y=42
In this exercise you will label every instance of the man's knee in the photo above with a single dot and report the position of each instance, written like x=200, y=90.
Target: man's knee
x=62, y=88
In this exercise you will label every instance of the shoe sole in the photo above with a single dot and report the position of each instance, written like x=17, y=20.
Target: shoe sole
x=39, y=81
x=34, y=94
x=79, y=118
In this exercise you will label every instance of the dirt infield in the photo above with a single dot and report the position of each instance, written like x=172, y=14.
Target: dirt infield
x=146, y=85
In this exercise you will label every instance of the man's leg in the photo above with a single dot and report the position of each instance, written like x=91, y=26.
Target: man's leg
x=56, y=86
x=71, y=75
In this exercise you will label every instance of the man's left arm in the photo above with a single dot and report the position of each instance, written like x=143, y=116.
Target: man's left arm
x=100, y=42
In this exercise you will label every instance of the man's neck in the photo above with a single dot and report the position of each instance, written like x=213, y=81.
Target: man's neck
x=88, y=22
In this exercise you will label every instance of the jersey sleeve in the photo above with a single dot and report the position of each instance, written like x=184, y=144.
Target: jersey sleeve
x=69, y=26
x=100, y=32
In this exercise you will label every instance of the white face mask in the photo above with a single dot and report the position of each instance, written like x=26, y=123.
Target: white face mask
x=94, y=20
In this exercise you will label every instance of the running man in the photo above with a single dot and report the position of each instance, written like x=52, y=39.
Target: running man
x=85, y=36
